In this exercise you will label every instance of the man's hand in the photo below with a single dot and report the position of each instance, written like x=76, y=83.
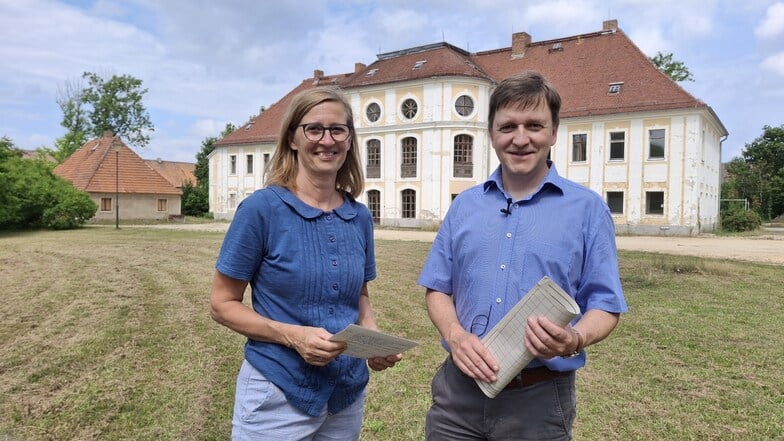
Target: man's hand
x=471, y=356
x=545, y=339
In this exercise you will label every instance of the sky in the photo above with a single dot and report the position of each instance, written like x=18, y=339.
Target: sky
x=209, y=63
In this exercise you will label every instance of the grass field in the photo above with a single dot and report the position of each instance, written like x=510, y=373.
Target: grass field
x=106, y=336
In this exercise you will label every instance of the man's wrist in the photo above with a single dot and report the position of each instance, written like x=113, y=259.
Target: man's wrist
x=580, y=344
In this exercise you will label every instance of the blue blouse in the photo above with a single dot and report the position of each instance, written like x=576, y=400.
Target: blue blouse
x=306, y=267
x=487, y=259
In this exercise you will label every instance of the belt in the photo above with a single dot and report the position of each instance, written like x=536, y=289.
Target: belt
x=527, y=377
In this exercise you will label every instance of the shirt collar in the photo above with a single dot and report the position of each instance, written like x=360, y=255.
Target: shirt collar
x=552, y=180
x=346, y=211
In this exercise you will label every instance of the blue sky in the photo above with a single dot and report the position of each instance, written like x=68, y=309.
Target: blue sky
x=206, y=63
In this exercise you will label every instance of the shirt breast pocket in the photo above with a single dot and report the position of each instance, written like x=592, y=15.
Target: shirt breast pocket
x=552, y=260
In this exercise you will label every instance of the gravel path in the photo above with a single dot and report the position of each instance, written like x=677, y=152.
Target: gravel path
x=765, y=249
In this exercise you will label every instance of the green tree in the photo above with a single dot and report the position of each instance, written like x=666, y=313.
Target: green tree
x=758, y=174
x=33, y=197
x=674, y=69
x=100, y=105
x=196, y=197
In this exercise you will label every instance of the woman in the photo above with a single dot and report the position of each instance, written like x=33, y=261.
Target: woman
x=305, y=245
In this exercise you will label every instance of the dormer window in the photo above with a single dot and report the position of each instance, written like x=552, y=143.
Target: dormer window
x=419, y=64
x=371, y=73
x=615, y=88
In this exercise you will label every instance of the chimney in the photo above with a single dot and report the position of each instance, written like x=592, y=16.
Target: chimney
x=359, y=67
x=318, y=74
x=520, y=41
x=610, y=25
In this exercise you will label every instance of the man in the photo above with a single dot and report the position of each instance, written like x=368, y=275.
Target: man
x=497, y=241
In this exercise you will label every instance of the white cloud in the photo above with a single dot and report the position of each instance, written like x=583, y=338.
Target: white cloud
x=772, y=25
x=774, y=63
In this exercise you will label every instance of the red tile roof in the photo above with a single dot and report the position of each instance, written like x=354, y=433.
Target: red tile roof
x=93, y=168
x=177, y=173
x=581, y=67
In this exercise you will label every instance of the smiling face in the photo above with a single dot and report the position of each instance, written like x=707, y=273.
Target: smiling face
x=521, y=138
x=321, y=159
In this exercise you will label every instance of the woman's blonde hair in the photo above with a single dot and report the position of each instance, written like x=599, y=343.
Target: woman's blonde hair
x=283, y=165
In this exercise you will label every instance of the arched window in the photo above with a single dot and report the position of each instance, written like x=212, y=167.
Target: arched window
x=374, y=205
x=463, y=161
x=408, y=199
x=373, y=159
x=408, y=163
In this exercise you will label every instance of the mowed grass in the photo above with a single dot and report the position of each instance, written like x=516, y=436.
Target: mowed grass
x=105, y=335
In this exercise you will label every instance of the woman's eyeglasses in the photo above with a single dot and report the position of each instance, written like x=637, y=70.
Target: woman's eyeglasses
x=315, y=132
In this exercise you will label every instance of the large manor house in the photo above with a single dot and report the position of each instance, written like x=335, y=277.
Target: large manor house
x=627, y=131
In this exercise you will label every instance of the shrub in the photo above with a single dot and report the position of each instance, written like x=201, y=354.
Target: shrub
x=738, y=220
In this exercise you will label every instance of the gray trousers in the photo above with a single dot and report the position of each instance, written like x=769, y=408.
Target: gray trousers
x=460, y=411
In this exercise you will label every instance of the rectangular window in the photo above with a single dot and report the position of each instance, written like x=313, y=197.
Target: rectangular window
x=579, y=147
x=654, y=202
x=232, y=200
x=163, y=204
x=617, y=146
x=615, y=201
x=463, y=162
x=106, y=204
x=249, y=164
x=656, y=144
x=232, y=164
x=408, y=167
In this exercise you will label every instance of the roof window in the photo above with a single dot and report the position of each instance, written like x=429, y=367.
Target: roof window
x=371, y=72
x=419, y=64
x=615, y=88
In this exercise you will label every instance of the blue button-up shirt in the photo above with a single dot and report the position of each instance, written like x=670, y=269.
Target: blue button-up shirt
x=305, y=267
x=488, y=259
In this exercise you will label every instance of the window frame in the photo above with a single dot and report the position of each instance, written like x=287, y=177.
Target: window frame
x=105, y=201
x=584, y=147
x=249, y=164
x=408, y=203
x=409, y=106
x=373, y=158
x=163, y=205
x=611, y=142
x=611, y=205
x=648, y=202
x=463, y=156
x=232, y=165
x=408, y=166
x=471, y=106
x=374, y=205
x=663, y=144
x=376, y=114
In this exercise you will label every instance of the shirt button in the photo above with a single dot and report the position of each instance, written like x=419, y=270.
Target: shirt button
x=508, y=235
x=503, y=267
x=331, y=311
x=498, y=300
x=334, y=263
x=329, y=217
x=332, y=238
x=335, y=286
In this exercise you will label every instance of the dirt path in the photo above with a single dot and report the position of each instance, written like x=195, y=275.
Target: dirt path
x=765, y=249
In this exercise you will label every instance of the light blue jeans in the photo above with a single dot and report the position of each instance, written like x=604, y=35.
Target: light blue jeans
x=261, y=412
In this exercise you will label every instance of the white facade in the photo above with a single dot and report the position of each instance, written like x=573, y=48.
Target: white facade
x=677, y=194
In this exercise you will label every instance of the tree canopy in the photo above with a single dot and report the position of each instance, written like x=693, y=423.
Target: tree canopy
x=674, y=69
x=758, y=174
x=100, y=105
